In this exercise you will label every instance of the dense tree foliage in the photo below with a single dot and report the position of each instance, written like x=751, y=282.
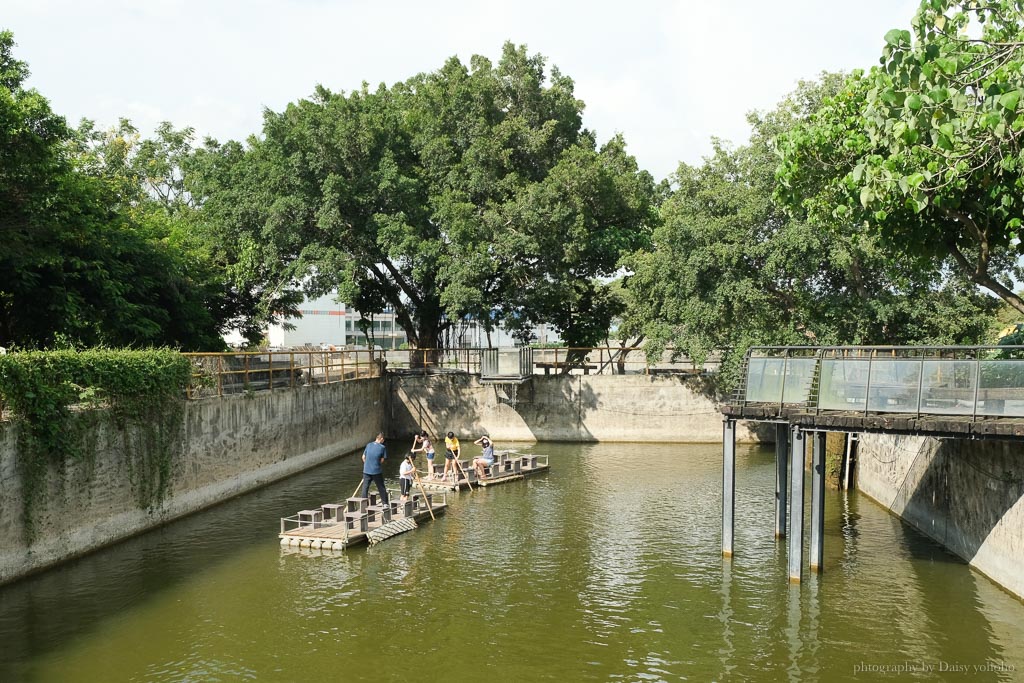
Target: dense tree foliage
x=925, y=149
x=731, y=268
x=86, y=260
x=471, y=190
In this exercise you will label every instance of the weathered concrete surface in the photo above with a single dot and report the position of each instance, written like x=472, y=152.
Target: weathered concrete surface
x=563, y=408
x=967, y=495
x=228, y=446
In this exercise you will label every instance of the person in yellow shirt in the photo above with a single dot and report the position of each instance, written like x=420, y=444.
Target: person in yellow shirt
x=452, y=448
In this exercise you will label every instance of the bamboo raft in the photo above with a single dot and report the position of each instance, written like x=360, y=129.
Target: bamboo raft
x=508, y=466
x=336, y=526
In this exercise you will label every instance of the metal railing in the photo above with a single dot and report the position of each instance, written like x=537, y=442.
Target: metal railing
x=597, y=360
x=217, y=374
x=296, y=522
x=975, y=381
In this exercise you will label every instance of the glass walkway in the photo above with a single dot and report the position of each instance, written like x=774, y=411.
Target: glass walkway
x=975, y=382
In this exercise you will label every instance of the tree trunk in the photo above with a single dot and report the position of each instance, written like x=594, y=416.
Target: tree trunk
x=979, y=275
x=427, y=353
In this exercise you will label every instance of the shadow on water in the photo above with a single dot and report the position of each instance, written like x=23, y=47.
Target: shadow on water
x=46, y=611
x=608, y=567
x=885, y=584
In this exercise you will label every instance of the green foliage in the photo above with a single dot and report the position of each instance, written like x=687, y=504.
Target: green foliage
x=731, y=268
x=925, y=149
x=99, y=247
x=143, y=391
x=470, y=190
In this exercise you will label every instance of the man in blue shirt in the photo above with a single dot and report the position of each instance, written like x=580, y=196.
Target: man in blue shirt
x=374, y=456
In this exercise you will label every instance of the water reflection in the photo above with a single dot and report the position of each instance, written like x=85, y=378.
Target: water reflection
x=727, y=652
x=607, y=568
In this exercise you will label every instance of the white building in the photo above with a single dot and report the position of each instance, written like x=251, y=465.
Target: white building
x=326, y=322
x=322, y=323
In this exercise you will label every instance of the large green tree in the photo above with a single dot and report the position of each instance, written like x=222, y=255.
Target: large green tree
x=470, y=190
x=730, y=267
x=83, y=260
x=925, y=149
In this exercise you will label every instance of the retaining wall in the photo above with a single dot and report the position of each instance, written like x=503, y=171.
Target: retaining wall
x=228, y=445
x=562, y=408
x=967, y=495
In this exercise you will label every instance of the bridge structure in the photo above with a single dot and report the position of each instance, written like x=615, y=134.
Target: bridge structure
x=957, y=392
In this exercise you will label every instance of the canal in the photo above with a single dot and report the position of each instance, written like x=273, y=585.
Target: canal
x=606, y=568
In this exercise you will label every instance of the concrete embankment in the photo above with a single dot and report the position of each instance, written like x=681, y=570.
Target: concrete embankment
x=228, y=445
x=967, y=495
x=562, y=408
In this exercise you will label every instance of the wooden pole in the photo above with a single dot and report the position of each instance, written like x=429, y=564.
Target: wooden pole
x=430, y=508
x=458, y=466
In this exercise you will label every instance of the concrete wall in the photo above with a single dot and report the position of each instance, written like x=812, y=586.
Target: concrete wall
x=228, y=446
x=967, y=495
x=561, y=408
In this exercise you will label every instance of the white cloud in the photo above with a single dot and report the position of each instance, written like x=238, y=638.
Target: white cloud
x=668, y=75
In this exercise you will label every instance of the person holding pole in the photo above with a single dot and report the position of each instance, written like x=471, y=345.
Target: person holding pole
x=486, y=458
x=374, y=456
x=427, y=448
x=451, y=454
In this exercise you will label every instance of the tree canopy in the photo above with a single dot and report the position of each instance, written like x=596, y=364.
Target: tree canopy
x=730, y=267
x=925, y=149
x=90, y=256
x=470, y=190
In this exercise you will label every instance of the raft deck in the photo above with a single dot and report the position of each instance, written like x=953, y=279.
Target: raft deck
x=336, y=526
x=508, y=466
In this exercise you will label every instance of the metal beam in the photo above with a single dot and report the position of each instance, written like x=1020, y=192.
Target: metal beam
x=796, y=505
x=818, y=502
x=728, y=484
x=781, y=462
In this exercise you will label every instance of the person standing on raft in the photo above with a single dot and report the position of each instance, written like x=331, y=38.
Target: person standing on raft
x=405, y=475
x=428, y=448
x=374, y=456
x=486, y=458
x=452, y=452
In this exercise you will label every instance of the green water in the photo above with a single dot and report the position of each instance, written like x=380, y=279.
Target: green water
x=606, y=568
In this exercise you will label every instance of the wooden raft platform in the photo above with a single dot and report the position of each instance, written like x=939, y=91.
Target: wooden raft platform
x=336, y=526
x=508, y=466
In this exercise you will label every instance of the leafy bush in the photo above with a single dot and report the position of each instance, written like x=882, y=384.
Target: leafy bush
x=141, y=389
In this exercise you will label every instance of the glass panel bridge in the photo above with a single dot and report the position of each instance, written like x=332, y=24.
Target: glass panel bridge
x=963, y=392
x=935, y=389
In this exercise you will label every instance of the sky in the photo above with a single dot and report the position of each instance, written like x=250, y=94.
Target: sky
x=667, y=75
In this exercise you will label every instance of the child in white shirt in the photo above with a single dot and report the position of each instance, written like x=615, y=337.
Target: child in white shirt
x=405, y=476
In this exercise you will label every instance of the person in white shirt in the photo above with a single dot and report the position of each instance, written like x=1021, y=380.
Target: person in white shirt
x=405, y=476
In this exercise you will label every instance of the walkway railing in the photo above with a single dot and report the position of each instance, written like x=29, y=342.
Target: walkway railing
x=216, y=374
x=597, y=360
x=975, y=381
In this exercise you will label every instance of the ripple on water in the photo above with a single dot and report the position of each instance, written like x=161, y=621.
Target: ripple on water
x=606, y=568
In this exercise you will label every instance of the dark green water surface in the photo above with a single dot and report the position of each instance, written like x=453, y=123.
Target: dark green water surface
x=607, y=568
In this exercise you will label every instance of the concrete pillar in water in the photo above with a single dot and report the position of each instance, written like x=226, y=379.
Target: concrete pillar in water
x=818, y=502
x=728, y=484
x=796, y=505
x=781, y=461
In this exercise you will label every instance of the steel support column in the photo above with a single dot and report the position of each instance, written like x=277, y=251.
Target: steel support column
x=781, y=462
x=728, y=484
x=796, y=505
x=818, y=502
